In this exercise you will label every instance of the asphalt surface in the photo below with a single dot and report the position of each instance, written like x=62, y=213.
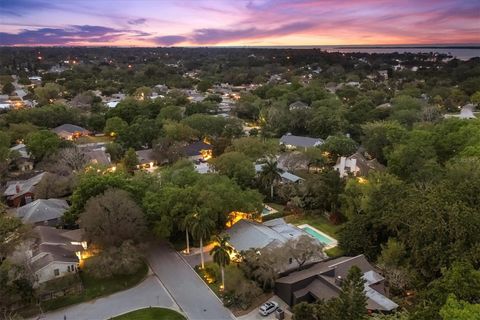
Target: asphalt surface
x=190, y=293
x=148, y=293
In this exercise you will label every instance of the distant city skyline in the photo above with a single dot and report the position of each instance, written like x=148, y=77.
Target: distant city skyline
x=238, y=23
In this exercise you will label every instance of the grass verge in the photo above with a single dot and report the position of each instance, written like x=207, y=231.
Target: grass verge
x=151, y=314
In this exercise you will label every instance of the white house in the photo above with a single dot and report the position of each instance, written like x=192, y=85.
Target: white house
x=466, y=112
x=56, y=252
x=356, y=165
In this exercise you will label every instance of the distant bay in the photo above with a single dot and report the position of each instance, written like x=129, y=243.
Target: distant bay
x=462, y=52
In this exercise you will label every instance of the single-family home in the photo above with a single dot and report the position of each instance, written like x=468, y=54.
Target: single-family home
x=146, y=160
x=247, y=234
x=21, y=192
x=298, y=105
x=35, y=80
x=383, y=73
x=323, y=280
x=21, y=149
x=23, y=161
x=198, y=151
x=356, y=165
x=292, y=142
x=287, y=177
x=70, y=131
x=98, y=156
x=55, y=252
x=466, y=112
x=43, y=212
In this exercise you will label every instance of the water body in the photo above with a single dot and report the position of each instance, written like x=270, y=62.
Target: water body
x=459, y=52
x=462, y=52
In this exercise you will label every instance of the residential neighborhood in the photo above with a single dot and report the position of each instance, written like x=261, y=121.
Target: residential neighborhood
x=212, y=183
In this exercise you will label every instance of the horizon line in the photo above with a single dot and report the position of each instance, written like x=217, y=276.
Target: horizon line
x=399, y=45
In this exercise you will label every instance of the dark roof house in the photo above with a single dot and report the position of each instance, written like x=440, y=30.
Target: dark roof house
x=69, y=131
x=22, y=191
x=145, y=156
x=196, y=149
x=323, y=281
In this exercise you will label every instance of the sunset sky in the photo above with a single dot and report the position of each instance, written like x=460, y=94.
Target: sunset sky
x=237, y=22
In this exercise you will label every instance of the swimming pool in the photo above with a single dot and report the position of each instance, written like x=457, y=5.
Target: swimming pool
x=328, y=241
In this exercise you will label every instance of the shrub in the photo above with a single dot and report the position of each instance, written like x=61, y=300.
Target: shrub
x=123, y=260
x=213, y=270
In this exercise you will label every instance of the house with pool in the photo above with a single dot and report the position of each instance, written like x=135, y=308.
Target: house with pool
x=248, y=234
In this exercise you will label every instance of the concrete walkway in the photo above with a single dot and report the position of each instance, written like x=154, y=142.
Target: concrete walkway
x=193, y=296
x=150, y=292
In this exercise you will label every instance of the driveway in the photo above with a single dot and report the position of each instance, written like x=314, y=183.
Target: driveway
x=193, y=296
x=150, y=292
x=254, y=315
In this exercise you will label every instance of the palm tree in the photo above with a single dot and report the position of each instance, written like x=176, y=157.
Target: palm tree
x=270, y=174
x=221, y=254
x=201, y=227
x=185, y=224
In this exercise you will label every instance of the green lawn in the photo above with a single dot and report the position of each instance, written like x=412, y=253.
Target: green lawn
x=93, y=139
x=151, y=314
x=95, y=288
x=275, y=206
x=334, y=252
x=320, y=222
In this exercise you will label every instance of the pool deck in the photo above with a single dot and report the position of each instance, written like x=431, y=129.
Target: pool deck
x=269, y=209
x=333, y=243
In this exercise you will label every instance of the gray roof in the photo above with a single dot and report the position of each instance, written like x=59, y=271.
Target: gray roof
x=283, y=174
x=55, y=245
x=145, y=156
x=23, y=186
x=21, y=149
x=42, y=210
x=98, y=156
x=247, y=234
x=290, y=177
x=70, y=128
x=299, y=141
x=298, y=105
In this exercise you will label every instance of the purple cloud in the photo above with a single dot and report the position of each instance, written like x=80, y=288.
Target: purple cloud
x=65, y=36
x=206, y=36
x=137, y=22
x=170, y=40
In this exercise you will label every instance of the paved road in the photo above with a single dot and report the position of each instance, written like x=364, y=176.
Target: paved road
x=193, y=296
x=150, y=292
